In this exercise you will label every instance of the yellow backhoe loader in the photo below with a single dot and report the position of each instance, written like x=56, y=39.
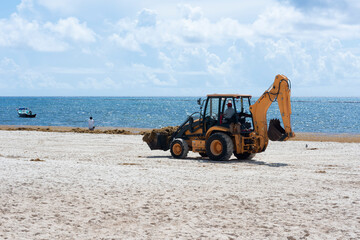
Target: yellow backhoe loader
x=225, y=127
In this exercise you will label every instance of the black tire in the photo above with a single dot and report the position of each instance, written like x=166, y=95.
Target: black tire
x=244, y=156
x=203, y=155
x=179, y=148
x=219, y=147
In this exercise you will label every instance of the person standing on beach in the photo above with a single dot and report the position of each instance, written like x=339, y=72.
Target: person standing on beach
x=91, y=124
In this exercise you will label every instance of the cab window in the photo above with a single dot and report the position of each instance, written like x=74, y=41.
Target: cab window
x=212, y=108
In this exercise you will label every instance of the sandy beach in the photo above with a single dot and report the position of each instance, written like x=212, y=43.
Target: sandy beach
x=69, y=185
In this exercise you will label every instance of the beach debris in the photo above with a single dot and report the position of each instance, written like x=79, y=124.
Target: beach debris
x=312, y=148
x=117, y=131
x=110, y=131
x=68, y=129
x=128, y=164
x=308, y=148
x=159, y=138
x=36, y=160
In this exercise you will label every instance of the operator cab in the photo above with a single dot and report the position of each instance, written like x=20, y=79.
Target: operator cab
x=216, y=114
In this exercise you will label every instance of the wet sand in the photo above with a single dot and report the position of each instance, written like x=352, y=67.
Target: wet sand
x=70, y=185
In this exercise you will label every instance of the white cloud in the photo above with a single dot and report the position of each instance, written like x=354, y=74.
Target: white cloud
x=8, y=65
x=168, y=80
x=293, y=58
x=8, y=69
x=18, y=31
x=75, y=70
x=191, y=13
x=51, y=83
x=128, y=42
x=277, y=21
x=192, y=30
x=31, y=79
x=66, y=6
x=73, y=29
x=146, y=18
x=93, y=83
x=290, y=22
x=320, y=63
x=25, y=5
x=109, y=65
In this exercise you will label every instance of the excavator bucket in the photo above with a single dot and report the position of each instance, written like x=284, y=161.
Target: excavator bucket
x=276, y=132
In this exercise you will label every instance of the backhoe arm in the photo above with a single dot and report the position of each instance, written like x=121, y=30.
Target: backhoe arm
x=280, y=91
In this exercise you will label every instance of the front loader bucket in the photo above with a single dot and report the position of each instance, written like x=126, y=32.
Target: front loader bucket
x=276, y=132
x=157, y=141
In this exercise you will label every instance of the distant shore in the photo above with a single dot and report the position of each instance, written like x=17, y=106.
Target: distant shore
x=300, y=136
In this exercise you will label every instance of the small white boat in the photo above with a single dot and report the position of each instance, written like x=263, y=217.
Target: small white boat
x=25, y=113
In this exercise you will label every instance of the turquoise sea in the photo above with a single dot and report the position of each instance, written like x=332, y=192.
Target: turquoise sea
x=309, y=114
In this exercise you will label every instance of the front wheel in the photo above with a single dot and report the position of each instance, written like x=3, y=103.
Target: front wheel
x=219, y=147
x=179, y=148
x=244, y=156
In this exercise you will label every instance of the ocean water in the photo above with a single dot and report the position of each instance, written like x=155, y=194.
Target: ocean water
x=309, y=114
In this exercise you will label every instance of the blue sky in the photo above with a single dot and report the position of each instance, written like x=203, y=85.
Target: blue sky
x=178, y=48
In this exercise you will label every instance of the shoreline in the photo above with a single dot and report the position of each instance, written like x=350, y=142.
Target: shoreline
x=300, y=136
x=98, y=130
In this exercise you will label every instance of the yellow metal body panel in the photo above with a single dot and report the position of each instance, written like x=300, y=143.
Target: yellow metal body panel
x=198, y=131
x=216, y=129
x=198, y=146
x=280, y=89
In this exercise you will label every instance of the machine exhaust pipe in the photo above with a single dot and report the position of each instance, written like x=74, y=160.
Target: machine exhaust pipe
x=276, y=132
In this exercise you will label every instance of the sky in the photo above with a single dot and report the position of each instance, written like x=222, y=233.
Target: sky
x=178, y=48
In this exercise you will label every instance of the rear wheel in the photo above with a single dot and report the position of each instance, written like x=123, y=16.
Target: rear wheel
x=244, y=156
x=219, y=147
x=179, y=148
